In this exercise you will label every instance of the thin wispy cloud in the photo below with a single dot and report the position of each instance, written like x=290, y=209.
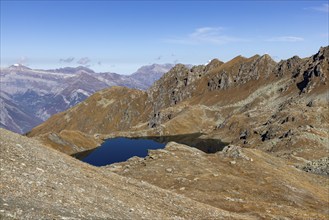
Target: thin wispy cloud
x=205, y=35
x=66, y=60
x=84, y=61
x=321, y=8
x=285, y=39
x=23, y=60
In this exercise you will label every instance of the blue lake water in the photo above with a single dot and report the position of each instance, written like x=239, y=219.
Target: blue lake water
x=120, y=149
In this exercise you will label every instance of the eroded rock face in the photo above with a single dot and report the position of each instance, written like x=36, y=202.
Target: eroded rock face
x=316, y=73
x=174, y=87
x=240, y=71
x=289, y=66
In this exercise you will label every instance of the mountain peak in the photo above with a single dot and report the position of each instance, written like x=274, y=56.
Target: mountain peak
x=154, y=67
x=18, y=66
x=214, y=63
x=150, y=73
x=322, y=53
x=73, y=70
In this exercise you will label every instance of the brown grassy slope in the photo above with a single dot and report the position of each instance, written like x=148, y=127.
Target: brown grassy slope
x=116, y=108
x=237, y=180
x=38, y=182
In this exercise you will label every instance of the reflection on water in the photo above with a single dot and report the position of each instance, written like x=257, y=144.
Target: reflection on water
x=193, y=140
x=120, y=149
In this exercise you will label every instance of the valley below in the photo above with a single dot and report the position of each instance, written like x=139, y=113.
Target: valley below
x=269, y=123
x=28, y=96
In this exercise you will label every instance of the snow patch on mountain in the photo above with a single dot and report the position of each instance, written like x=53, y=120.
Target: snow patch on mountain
x=83, y=92
x=43, y=114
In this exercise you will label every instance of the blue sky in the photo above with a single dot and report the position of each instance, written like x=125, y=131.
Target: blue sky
x=120, y=36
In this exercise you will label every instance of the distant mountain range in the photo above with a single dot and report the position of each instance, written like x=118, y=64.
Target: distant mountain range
x=30, y=96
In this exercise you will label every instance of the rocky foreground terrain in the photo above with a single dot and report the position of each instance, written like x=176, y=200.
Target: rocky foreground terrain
x=38, y=182
x=275, y=117
x=178, y=182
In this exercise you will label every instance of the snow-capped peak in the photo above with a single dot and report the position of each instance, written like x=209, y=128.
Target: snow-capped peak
x=207, y=62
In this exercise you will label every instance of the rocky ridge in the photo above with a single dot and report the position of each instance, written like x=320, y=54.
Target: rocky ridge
x=280, y=108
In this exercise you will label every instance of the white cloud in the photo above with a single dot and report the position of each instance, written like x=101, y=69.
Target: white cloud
x=322, y=8
x=205, y=35
x=66, y=60
x=23, y=60
x=83, y=61
x=285, y=39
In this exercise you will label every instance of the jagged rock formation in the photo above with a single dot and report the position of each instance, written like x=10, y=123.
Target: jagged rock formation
x=254, y=102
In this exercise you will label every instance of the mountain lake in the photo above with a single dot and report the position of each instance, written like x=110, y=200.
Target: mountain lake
x=120, y=149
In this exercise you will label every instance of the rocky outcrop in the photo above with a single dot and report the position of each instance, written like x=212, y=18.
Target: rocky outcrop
x=234, y=152
x=316, y=72
x=241, y=70
x=172, y=88
x=320, y=166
